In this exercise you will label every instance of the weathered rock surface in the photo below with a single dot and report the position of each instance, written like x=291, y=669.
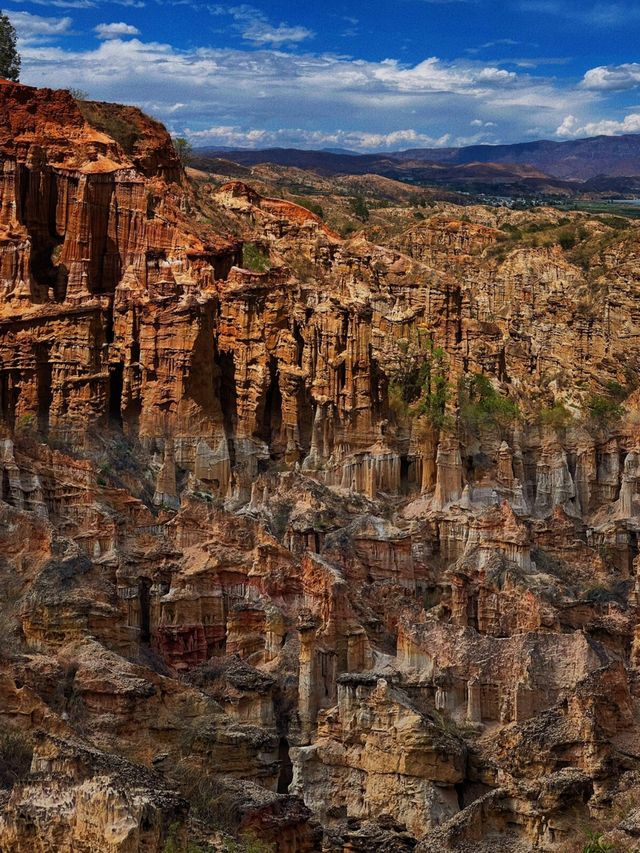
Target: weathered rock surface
x=342, y=553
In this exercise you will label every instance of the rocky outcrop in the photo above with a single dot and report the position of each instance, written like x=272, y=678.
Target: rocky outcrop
x=80, y=800
x=377, y=754
x=339, y=551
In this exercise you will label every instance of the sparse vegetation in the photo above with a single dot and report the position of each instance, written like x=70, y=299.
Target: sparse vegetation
x=15, y=758
x=249, y=843
x=173, y=845
x=605, y=409
x=601, y=594
x=602, y=410
x=216, y=808
x=209, y=804
x=359, y=208
x=419, y=382
x=111, y=119
x=255, y=258
x=567, y=240
x=347, y=229
x=104, y=472
x=557, y=416
x=482, y=406
x=416, y=200
x=183, y=149
x=311, y=206
x=595, y=844
x=26, y=425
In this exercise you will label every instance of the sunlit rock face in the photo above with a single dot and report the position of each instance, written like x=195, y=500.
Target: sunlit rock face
x=339, y=551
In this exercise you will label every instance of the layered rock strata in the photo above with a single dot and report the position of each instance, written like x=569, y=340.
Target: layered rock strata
x=341, y=553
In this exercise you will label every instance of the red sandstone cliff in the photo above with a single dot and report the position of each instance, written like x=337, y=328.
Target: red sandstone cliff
x=249, y=582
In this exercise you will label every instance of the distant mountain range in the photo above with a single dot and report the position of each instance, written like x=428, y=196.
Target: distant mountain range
x=576, y=159
x=542, y=166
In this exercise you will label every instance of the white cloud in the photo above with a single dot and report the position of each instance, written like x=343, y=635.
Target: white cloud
x=36, y=28
x=115, y=30
x=224, y=135
x=572, y=128
x=612, y=78
x=256, y=28
x=569, y=127
x=206, y=88
x=261, y=33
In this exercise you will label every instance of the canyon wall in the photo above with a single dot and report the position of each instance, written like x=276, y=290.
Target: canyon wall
x=342, y=552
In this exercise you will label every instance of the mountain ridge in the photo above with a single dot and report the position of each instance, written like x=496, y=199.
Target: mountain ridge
x=571, y=160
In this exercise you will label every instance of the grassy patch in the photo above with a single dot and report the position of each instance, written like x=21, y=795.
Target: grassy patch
x=557, y=416
x=311, y=206
x=109, y=119
x=255, y=258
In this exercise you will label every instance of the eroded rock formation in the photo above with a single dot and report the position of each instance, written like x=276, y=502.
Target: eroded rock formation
x=341, y=552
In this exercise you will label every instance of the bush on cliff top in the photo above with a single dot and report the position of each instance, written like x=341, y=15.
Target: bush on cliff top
x=310, y=205
x=109, y=119
x=183, y=149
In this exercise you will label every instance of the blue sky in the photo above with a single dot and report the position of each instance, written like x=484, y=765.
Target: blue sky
x=362, y=75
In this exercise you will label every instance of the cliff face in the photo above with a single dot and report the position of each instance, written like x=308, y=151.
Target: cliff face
x=339, y=550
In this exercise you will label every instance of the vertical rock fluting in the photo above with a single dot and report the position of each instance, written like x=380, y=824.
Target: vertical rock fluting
x=236, y=548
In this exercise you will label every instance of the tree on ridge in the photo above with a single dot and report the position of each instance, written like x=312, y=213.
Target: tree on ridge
x=9, y=57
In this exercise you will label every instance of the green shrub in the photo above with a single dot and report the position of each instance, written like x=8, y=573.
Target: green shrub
x=347, y=229
x=416, y=200
x=619, y=223
x=482, y=406
x=436, y=388
x=255, y=258
x=544, y=225
x=419, y=380
x=15, y=758
x=616, y=391
x=567, y=240
x=556, y=416
x=359, y=208
x=183, y=149
x=311, y=206
x=602, y=410
x=595, y=844
x=512, y=230
x=397, y=404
